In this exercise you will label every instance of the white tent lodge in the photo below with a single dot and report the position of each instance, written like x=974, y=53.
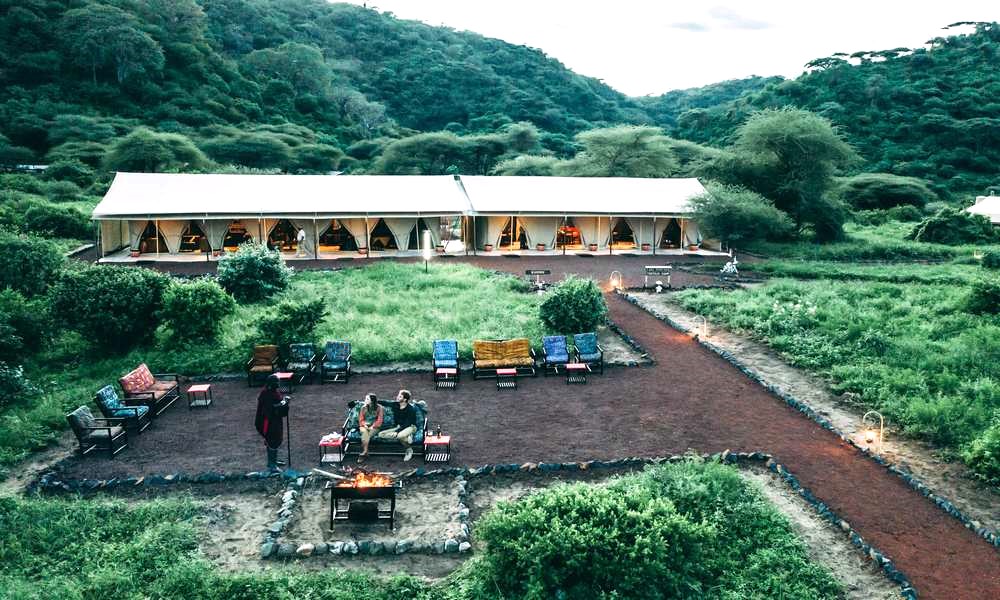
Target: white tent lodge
x=190, y=216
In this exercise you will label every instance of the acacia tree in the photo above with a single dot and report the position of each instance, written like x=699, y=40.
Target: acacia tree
x=147, y=151
x=99, y=35
x=627, y=151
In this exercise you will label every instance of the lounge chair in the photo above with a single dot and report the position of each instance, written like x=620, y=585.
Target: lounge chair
x=155, y=390
x=555, y=353
x=135, y=418
x=97, y=434
x=302, y=360
x=490, y=355
x=264, y=362
x=336, y=362
x=444, y=355
x=588, y=351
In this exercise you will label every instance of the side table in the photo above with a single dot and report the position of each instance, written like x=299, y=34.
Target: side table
x=577, y=373
x=445, y=377
x=199, y=395
x=331, y=448
x=437, y=448
x=507, y=379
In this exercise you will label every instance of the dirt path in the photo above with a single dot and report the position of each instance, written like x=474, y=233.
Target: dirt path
x=950, y=479
x=28, y=471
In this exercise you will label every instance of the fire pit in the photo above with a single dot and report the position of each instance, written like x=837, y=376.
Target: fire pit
x=363, y=492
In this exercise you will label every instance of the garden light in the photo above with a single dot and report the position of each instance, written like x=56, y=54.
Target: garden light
x=874, y=433
x=659, y=286
x=427, y=248
x=616, y=280
x=703, y=329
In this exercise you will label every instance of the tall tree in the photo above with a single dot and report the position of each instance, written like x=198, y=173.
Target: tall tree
x=99, y=35
x=626, y=151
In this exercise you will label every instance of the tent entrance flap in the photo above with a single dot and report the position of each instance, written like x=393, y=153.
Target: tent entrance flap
x=568, y=236
x=194, y=240
x=513, y=236
x=416, y=238
x=283, y=236
x=622, y=235
x=671, y=236
x=151, y=240
x=337, y=238
x=381, y=237
x=236, y=234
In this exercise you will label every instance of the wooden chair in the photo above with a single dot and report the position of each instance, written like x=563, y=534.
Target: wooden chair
x=555, y=353
x=302, y=360
x=336, y=362
x=588, y=351
x=135, y=418
x=97, y=434
x=264, y=362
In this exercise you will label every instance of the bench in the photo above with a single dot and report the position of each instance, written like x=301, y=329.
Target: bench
x=379, y=447
x=155, y=390
x=490, y=355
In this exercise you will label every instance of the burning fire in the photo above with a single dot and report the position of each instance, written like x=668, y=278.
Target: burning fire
x=362, y=479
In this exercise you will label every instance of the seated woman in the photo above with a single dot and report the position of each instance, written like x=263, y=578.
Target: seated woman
x=369, y=422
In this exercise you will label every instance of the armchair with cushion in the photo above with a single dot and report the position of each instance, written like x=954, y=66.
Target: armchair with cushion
x=302, y=360
x=264, y=362
x=97, y=434
x=444, y=355
x=490, y=355
x=381, y=447
x=336, y=362
x=555, y=353
x=588, y=351
x=155, y=390
x=110, y=405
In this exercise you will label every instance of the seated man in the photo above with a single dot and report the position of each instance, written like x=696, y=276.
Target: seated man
x=405, y=418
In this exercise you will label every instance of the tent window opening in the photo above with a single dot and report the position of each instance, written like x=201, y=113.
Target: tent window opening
x=236, y=234
x=194, y=240
x=450, y=228
x=151, y=241
x=336, y=238
x=513, y=236
x=671, y=237
x=417, y=234
x=381, y=237
x=622, y=236
x=568, y=236
x=283, y=237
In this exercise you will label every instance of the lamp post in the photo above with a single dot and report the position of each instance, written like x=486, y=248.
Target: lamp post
x=871, y=432
x=616, y=280
x=703, y=329
x=427, y=248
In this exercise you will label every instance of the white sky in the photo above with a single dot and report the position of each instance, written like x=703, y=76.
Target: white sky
x=654, y=46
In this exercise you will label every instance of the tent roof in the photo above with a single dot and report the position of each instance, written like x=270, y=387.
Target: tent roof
x=172, y=195
x=988, y=206
x=580, y=195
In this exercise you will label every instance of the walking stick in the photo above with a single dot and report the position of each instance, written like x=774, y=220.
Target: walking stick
x=288, y=431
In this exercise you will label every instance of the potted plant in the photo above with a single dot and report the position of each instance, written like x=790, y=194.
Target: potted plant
x=488, y=248
x=215, y=253
x=540, y=247
x=592, y=247
x=134, y=253
x=646, y=247
x=362, y=250
x=693, y=247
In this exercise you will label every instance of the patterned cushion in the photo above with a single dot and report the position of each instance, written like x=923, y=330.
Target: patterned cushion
x=301, y=353
x=555, y=349
x=298, y=366
x=586, y=343
x=446, y=363
x=590, y=356
x=264, y=355
x=445, y=351
x=507, y=362
x=352, y=417
x=138, y=380
x=487, y=350
x=124, y=413
x=337, y=351
x=335, y=365
x=262, y=368
x=81, y=419
x=107, y=397
x=103, y=434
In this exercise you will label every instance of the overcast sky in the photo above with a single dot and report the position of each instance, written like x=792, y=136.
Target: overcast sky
x=649, y=47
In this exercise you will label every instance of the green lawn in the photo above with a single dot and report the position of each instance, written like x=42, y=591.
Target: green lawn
x=908, y=349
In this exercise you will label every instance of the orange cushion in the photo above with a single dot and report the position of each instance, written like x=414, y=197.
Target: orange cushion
x=516, y=349
x=140, y=379
x=264, y=355
x=487, y=350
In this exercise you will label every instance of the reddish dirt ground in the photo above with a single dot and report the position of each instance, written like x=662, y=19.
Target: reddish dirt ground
x=689, y=399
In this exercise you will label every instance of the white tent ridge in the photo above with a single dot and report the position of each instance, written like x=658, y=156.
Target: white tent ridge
x=988, y=206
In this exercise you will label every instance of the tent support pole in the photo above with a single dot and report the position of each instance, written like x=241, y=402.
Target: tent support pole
x=611, y=235
x=656, y=242
x=474, y=235
x=156, y=224
x=565, y=218
x=683, y=221
x=368, y=239
x=315, y=239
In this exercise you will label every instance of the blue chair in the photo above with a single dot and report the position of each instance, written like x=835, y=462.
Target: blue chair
x=302, y=360
x=445, y=356
x=554, y=353
x=110, y=405
x=588, y=351
x=336, y=362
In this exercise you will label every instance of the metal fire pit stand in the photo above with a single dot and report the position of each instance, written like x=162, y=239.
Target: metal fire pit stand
x=340, y=492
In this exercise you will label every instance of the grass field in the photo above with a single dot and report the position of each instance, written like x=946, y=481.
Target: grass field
x=908, y=349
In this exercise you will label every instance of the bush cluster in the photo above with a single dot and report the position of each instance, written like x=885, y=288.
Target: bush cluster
x=984, y=297
x=575, y=305
x=25, y=326
x=52, y=220
x=983, y=453
x=292, y=322
x=906, y=213
x=253, y=273
x=873, y=191
x=195, y=310
x=954, y=226
x=30, y=264
x=737, y=216
x=14, y=386
x=991, y=259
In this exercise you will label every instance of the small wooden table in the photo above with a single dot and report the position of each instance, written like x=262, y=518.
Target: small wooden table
x=576, y=373
x=199, y=395
x=331, y=449
x=286, y=378
x=437, y=448
x=507, y=379
x=445, y=377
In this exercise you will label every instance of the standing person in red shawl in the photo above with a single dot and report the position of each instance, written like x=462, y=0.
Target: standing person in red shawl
x=271, y=409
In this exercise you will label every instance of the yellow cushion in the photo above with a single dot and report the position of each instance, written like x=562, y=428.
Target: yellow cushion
x=487, y=350
x=264, y=355
x=516, y=349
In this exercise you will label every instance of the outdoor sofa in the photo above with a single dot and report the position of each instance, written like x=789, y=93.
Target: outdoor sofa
x=380, y=447
x=97, y=434
x=135, y=418
x=335, y=365
x=588, y=351
x=155, y=390
x=490, y=355
x=263, y=363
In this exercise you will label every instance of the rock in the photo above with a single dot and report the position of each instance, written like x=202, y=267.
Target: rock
x=465, y=530
x=305, y=550
x=403, y=546
x=376, y=548
x=451, y=545
x=286, y=550
x=288, y=496
x=529, y=466
x=267, y=549
x=276, y=527
x=321, y=548
x=350, y=548
x=438, y=547
x=336, y=548
x=463, y=513
x=464, y=547
x=363, y=546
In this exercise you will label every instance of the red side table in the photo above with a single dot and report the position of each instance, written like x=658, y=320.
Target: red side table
x=437, y=448
x=445, y=378
x=576, y=373
x=286, y=378
x=331, y=449
x=204, y=390
x=507, y=379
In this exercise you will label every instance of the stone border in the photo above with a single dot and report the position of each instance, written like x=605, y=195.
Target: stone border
x=631, y=343
x=978, y=528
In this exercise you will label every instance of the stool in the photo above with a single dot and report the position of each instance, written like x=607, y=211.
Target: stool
x=445, y=378
x=331, y=449
x=202, y=389
x=577, y=373
x=507, y=379
x=286, y=378
x=437, y=448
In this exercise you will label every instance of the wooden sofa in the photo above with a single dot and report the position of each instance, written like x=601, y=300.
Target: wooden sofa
x=155, y=390
x=490, y=355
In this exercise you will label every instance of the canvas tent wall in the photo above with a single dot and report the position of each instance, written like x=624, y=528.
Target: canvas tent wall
x=988, y=206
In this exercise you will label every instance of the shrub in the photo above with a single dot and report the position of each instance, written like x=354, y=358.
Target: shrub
x=983, y=453
x=991, y=259
x=883, y=190
x=736, y=216
x=25, y=326
x=195, y=310
x=29, y=263
x=58, y=221
x=954, y=226
x=63, y=191
x=148, y=151
x=253, y=273
x=984, y=297
x=115, y=308
x=70, y=170
x=292, y=322
x=904, y=213
x=14, y=387
x=575, y=305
